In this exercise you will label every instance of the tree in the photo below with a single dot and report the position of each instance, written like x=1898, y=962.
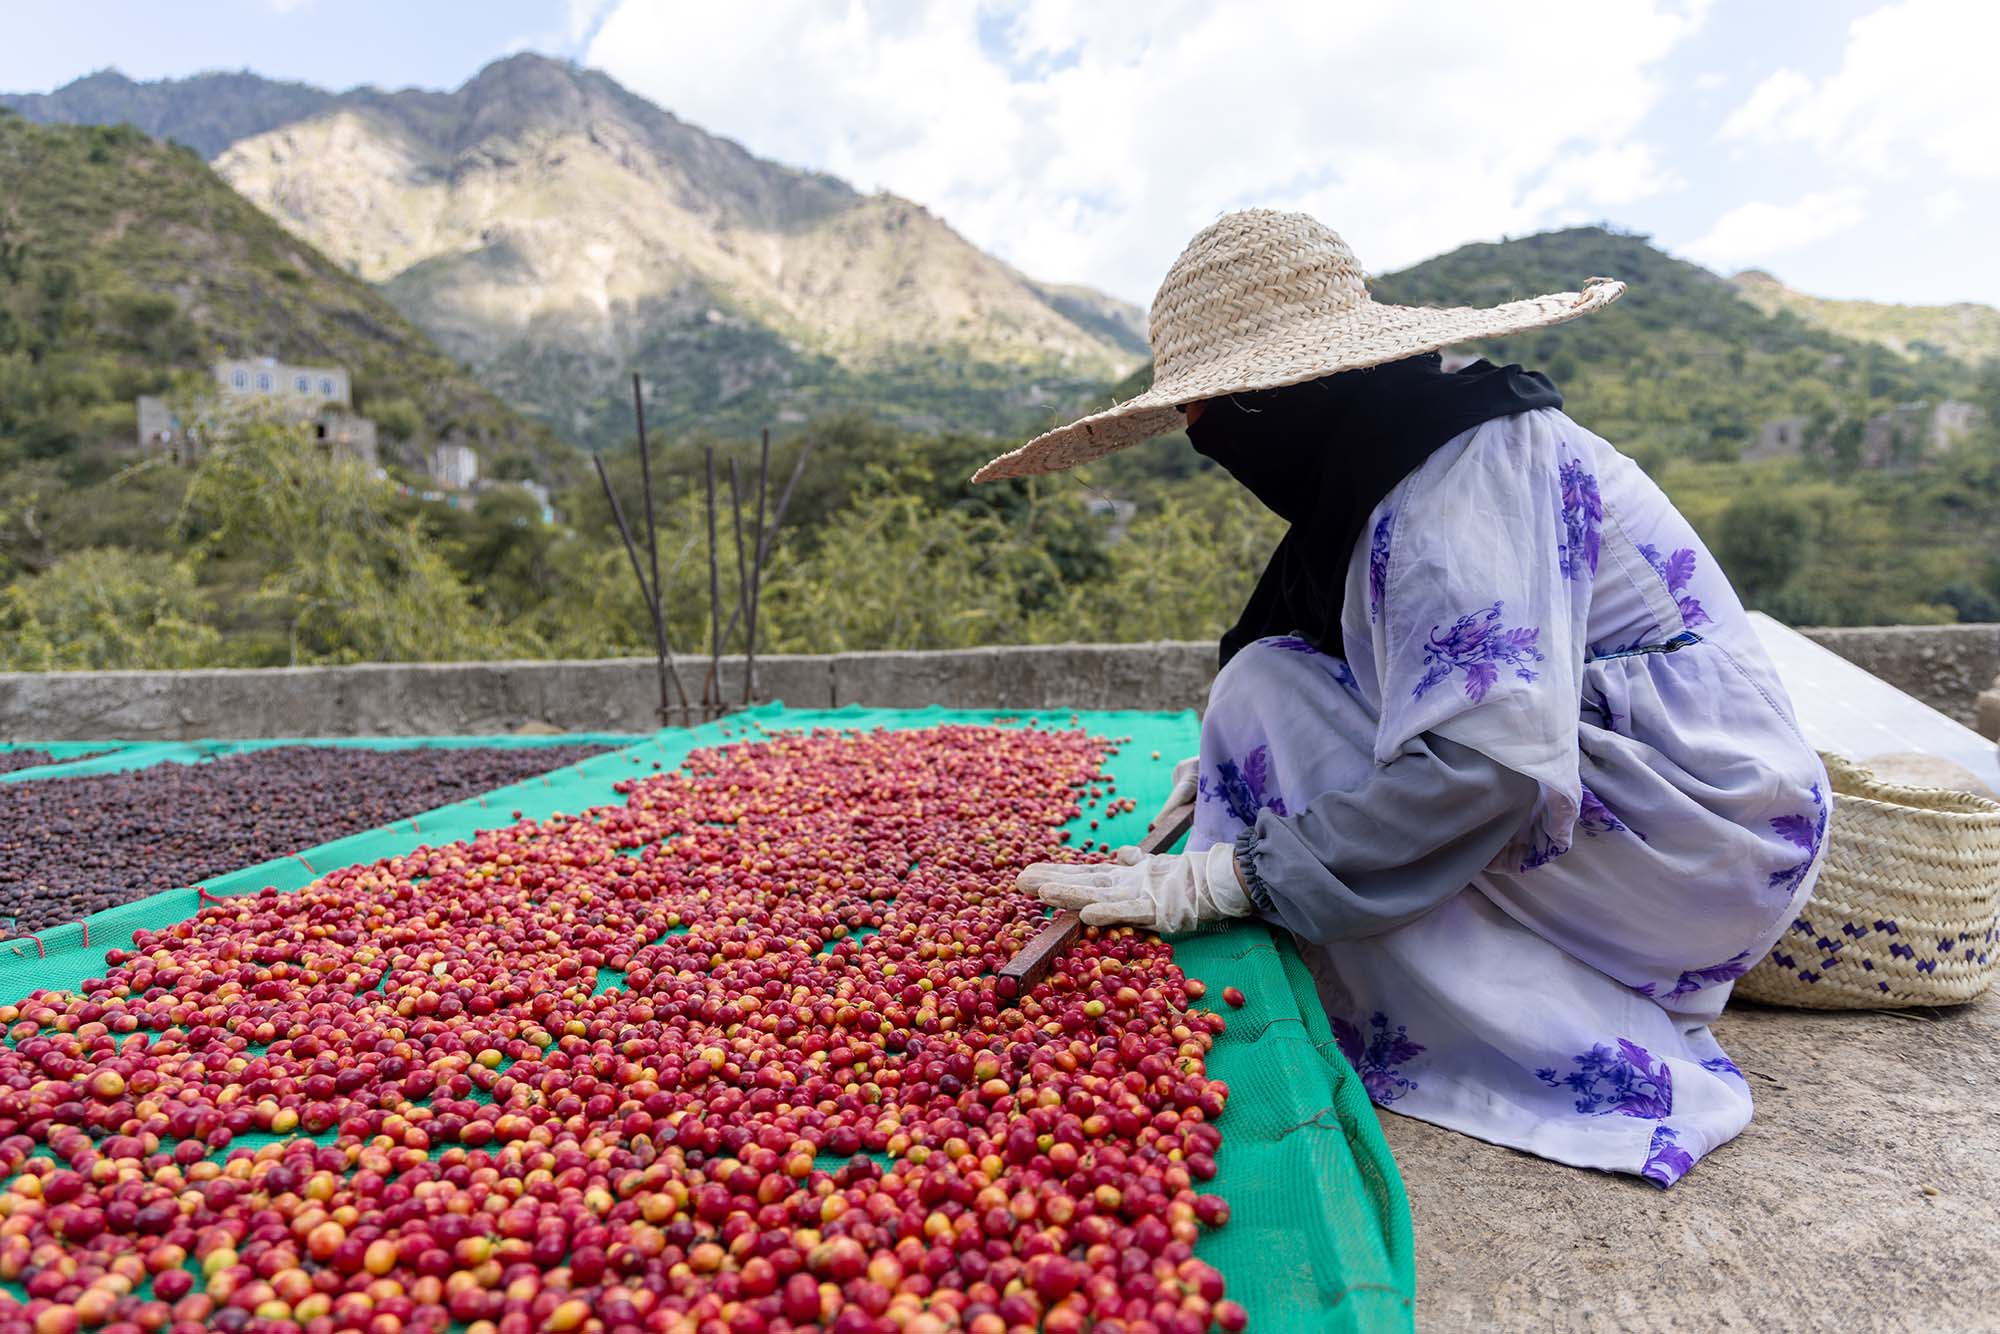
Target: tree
x=105, y=608
x=888, y=572
x=351, y=582
x=1761, y=543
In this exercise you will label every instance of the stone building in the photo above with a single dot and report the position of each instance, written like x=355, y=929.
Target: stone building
x=162, y=430
x=454, y=464
x=319, y=396
x=1779, y=436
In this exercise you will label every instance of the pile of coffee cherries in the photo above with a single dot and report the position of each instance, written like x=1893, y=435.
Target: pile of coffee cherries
x=729, y=1057
x=10, y=760
x=70, y=847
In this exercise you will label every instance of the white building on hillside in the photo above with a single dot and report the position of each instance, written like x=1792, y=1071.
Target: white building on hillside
x=321, y=397
x=263, y=377
x=454, y=465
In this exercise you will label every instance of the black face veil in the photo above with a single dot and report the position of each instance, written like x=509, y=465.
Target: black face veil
x=1323, y=454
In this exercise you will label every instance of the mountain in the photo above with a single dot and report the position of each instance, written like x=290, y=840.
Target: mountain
x=1964, y=329
x=555, y=231
x=127, y=266
x=207, y=112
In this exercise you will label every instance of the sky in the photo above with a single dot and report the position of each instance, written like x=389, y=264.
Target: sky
x=1851, y=147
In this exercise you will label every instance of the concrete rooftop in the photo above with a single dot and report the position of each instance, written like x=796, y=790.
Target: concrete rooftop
x=1865, y=1195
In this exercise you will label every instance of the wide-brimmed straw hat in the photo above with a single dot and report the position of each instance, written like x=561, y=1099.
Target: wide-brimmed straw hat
x=1261, y=299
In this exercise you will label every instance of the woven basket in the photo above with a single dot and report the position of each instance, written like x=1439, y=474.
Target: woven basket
x=1905, y=909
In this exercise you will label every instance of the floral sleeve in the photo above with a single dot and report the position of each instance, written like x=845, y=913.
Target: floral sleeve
x=1478, y=631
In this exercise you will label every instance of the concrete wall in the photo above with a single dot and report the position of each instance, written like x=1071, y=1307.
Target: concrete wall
x=1945, y=666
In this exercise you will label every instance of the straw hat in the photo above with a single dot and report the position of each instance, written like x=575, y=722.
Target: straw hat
x=1261, y=299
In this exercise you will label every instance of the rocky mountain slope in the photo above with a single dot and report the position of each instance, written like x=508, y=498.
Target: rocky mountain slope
x=554, y=231
x=1964, y=329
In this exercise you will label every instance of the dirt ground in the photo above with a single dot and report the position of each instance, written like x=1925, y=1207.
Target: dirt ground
x=1865, y=1195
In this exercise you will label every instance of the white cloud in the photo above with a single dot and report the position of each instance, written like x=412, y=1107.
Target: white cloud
x=1913, y=94
x=1087, y=142
x=1752, y=233
x=582, y=17
x=1945, y=206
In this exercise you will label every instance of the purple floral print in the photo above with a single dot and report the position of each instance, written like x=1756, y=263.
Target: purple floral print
x=1582, y=517
x=1628, y=1080
x=1666, y=1161
x=1242, y=787
x=1712, y=976
x=1541, y=853
x=1593, y=817
x=1293, y=644
x=1601, y=706
x=1677, y=570
x=1803, y=832
x=1377, y=1062
x=1478, y=645
x=1378, y=564
x=1722, y=1065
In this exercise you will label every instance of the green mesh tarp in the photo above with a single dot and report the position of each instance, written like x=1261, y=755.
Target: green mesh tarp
x=76, y=758
x=1319, y=1237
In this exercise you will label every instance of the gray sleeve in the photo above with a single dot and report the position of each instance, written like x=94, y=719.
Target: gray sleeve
x=1363, y=861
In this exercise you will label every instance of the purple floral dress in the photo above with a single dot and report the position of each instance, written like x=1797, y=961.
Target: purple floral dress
x=1530, y=594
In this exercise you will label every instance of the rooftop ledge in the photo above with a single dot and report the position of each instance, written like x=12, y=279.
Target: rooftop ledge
x=1944, y=666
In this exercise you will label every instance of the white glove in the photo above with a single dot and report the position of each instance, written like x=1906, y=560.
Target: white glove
x=1166, y=891
x=1187, y=782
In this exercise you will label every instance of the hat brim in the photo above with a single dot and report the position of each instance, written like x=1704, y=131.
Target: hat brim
x=1372, y=335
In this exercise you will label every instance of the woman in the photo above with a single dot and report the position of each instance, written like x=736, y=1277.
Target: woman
x=1493, y=737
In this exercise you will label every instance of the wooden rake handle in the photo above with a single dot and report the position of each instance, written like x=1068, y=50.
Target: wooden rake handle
x=1028, y=967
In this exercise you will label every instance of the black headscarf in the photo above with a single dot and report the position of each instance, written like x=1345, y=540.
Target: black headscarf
x=1323, y=454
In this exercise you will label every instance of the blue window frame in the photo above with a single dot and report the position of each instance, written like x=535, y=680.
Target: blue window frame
x=264, y=380
x=241, y=379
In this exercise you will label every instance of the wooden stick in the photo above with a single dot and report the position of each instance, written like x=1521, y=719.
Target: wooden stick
x=757, y=570
x=664, y=650
x=713, y=686
x=742, y=557
x=777, y=521
x=648, y=596
x=1032, y=964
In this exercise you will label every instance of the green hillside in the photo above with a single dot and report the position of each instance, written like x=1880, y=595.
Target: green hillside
x=279, y=554
x=129, y=266
x=1680, y=367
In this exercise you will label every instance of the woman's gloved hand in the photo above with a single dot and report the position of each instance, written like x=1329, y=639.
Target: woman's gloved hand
x=1168, y=892
x=1187, y=785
